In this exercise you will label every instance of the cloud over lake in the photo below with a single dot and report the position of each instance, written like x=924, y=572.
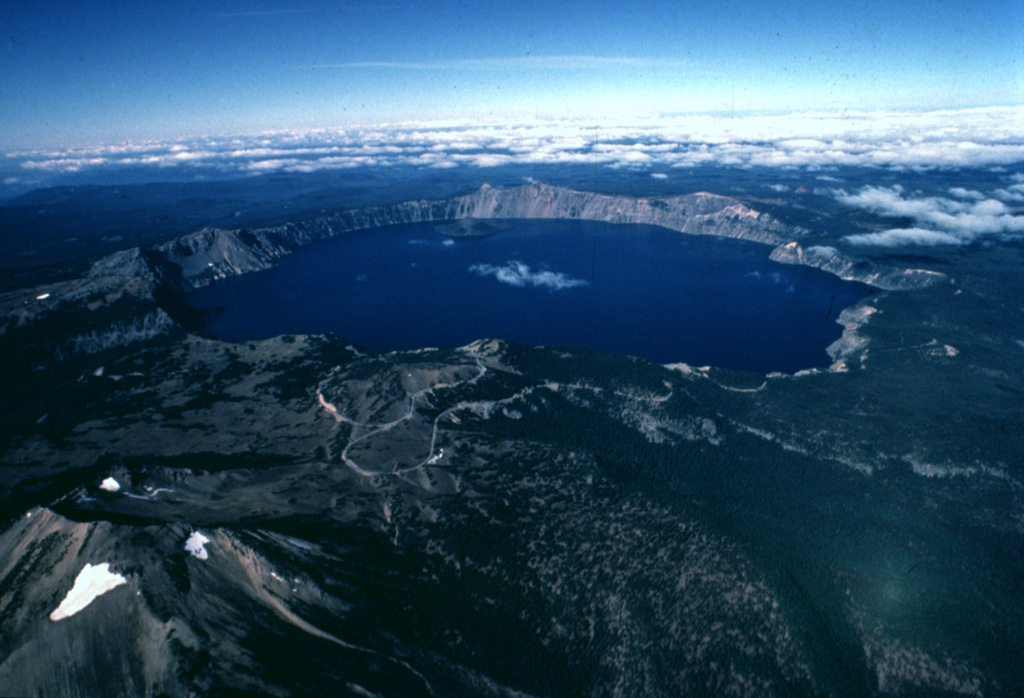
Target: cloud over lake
x=516, y=273
x=958, y=220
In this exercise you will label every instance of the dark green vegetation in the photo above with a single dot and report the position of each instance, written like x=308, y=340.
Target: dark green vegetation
x=597, y=524
x=58, y=225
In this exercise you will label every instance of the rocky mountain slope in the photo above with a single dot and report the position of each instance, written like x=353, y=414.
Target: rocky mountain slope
x=294, y=516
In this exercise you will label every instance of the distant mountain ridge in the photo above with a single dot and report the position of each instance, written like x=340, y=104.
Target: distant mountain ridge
x=145, y=278
x=211, y=254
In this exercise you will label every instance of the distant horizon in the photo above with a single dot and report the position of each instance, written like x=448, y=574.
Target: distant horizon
x=74, y=74
x=182, y=132
x=658, y=144
x=456, y=122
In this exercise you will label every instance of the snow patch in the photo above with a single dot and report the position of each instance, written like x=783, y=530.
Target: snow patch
x=110, y=485
x=195, y=545
x=92, y=581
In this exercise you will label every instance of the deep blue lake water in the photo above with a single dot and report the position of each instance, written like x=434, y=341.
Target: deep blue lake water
x=637, y=290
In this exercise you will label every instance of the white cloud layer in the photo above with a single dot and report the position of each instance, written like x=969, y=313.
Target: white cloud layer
x=897, y=237
x=937, y=220
x=1014, y=193
x=950, y=138
x=517, y=273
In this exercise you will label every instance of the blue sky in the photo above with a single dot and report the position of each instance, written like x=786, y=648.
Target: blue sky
x=82, y=73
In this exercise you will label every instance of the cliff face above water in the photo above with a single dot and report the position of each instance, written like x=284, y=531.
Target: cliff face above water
x=149, y=277
x=829, y=259
x=208, y=255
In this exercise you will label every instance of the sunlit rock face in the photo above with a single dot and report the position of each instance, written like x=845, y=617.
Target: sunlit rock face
x=211, y=254
x=885, y=276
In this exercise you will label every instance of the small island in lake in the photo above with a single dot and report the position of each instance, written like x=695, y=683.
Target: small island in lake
x=471, y=228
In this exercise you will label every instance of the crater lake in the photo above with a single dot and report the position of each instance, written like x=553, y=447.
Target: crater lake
x=632, y=289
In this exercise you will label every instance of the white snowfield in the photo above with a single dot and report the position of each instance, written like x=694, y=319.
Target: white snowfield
x=110, y=485
x=195, y=543
x=92, y=581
